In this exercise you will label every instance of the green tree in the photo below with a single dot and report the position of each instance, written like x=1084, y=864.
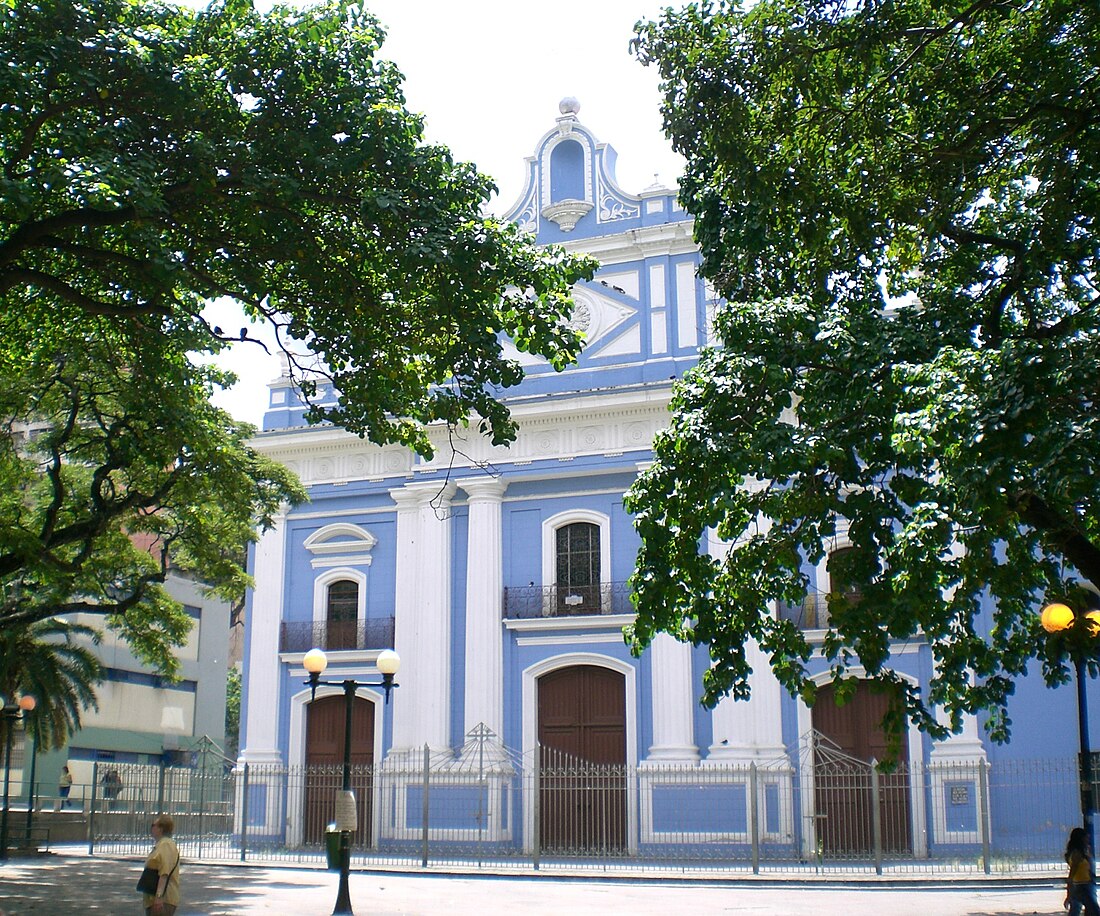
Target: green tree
x=900, y=202
x=115, y=467
x=232, y=712
x=152, y=158
x=155, y=157
x=52, y=661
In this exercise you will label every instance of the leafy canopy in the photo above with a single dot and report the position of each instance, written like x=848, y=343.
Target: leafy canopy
x=155, y=157
x=899, y=200
x=152, y=158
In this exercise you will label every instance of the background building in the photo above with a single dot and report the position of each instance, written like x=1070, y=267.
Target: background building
x=143, y=719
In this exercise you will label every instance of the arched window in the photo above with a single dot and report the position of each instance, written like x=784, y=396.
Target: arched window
x=577, y=568
x=342, y=614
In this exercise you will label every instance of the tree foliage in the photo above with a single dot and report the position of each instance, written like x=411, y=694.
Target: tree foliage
x=154, y=157
x=899, y=200
x=53, y=661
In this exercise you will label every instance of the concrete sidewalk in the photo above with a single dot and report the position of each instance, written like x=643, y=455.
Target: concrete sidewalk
x=66, y=885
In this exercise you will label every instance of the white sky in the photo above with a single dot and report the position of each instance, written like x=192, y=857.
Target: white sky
x=488, y=76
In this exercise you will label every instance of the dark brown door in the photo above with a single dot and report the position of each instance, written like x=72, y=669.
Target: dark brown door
x=325, y=764
x=582, y=734
x=852, y=737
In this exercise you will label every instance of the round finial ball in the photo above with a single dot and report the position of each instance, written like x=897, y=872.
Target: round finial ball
x=315, y=661
x=569, y=105
x=1055, y=617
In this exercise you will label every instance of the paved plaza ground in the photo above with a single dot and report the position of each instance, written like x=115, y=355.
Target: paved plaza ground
x=70, y=884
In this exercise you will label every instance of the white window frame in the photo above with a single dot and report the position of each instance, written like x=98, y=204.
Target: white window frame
x=550, y=528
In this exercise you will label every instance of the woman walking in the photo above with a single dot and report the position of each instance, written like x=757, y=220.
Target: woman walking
x=1080, y=892
x=165, y=858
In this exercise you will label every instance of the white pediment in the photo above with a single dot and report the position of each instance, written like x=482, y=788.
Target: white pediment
x=340, y=544
x=597, y=316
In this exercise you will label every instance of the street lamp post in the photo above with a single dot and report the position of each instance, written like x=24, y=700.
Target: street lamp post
x=1059, y=618
x=315, y=663
x=11, y=714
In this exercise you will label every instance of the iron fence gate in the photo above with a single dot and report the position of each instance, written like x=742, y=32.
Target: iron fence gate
x=488, y=806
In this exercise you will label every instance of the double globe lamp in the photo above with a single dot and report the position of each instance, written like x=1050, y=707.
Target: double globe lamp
x=1061, y=618
x=315, y=661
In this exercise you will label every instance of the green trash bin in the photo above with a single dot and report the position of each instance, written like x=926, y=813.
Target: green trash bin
x=332, y=847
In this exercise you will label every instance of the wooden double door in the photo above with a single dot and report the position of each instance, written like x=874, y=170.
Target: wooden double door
x=849, y=738
x=582, y=740
x=324, y=776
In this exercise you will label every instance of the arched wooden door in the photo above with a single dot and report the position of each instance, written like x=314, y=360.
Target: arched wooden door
x=849, y=738
x=325, y=762
x=582, y=734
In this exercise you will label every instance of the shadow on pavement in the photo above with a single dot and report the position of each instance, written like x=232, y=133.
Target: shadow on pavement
x=70, y=885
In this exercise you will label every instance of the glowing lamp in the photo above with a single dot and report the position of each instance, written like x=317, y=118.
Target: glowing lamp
x=1056, y=617
x=1092, y=618
x=315, y=661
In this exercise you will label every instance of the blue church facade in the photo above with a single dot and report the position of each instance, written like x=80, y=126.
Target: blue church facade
x=499, y=575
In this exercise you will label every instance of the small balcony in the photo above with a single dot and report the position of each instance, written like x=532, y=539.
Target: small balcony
x=337, y=636
x=811, y=614
x=530, y=602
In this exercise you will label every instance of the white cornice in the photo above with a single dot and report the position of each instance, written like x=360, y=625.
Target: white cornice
x=638, y=244
x=608, y=424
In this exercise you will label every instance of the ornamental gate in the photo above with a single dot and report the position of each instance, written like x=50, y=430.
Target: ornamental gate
x=846, y=740
x=582, y=780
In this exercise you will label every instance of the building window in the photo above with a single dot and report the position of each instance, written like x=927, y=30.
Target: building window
x=342, y=614
x=577, y=573
x=842, y=581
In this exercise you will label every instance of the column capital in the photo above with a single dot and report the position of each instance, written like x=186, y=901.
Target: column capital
x=423, y=492
x=484, y=489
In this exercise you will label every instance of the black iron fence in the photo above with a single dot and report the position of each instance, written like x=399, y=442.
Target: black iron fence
x=532, y=601
x=337, y=635
x=486, y=806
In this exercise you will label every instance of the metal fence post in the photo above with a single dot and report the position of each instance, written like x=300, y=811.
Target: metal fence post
x=91, y=810
x=202, y=797
x=160, y=786
x=533, y=801
x=425, y=809
x=244, y=811
x=754, y=818
x=876, y=815
x=983, y=813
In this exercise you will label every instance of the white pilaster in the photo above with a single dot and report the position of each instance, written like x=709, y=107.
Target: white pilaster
x=750, y=730
x=265, y=615
x=484, y=693
x=673, y=706
x=422, y=607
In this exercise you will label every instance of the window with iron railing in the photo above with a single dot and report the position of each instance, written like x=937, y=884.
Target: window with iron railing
x=528, y=602
x=301, y=636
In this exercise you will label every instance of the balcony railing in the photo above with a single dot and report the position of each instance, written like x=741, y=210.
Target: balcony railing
x=529, y=602
x=811, y=614
x=349, y=635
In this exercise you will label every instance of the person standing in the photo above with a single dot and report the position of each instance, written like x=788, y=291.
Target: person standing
x=65, y=786
x=165, y=858
x=1080, y=891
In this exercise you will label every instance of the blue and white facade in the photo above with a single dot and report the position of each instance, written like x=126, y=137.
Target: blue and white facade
x=499, y=572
